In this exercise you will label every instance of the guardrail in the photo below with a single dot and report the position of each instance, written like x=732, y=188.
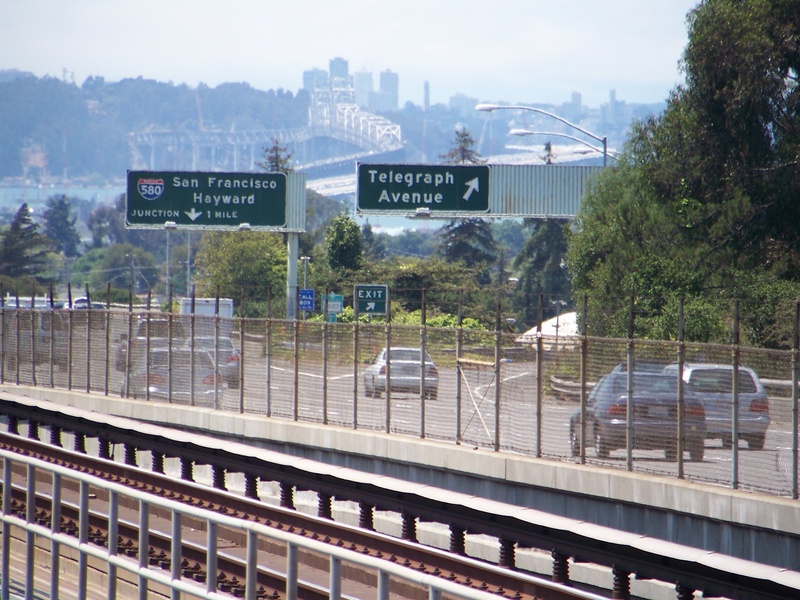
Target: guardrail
x=146, y=574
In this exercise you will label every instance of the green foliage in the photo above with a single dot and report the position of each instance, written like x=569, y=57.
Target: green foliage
x=703, y=205
x=541, y=270
x=252, y=262
x=23, y=250
x=467, y=240
x=277, y=158
x=59, y=225
x=462, y=151
x=344, y=246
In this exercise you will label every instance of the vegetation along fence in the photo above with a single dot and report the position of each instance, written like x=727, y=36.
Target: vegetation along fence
x=554, y=395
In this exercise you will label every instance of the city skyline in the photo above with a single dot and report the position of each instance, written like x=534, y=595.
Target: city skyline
x=515, y=51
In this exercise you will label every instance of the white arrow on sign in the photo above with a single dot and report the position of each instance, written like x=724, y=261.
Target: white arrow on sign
x=370, y=306
x=472, y=186
x=193, y=214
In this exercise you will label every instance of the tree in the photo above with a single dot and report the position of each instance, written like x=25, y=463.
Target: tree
x=374, y=246
x=344, y=246
x=541, y=269
x=462, y=152
x=277, y=158
x=253, y=263
x=23, y=250
x=704, y=200
x=469, y=240
x=59, y=225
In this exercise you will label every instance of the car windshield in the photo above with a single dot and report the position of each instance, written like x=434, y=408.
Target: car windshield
x=720, y=381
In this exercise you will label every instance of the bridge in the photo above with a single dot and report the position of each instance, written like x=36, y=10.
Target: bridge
x=333, y=114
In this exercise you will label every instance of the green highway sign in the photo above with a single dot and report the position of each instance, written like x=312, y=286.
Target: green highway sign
x=193, y=200
x=371, y=299
x=422, y=189
x=335, y=303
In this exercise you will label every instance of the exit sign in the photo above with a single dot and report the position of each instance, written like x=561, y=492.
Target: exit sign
x=371, y=299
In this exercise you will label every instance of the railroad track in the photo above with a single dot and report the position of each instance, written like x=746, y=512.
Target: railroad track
x=230, y=568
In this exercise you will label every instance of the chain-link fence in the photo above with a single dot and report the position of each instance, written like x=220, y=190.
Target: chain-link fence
x=639, y=405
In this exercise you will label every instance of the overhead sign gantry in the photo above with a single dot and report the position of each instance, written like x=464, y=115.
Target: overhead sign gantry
x=196, y=200
x=423, y=189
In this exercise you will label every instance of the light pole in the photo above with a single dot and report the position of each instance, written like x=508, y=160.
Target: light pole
x=603, y=140
x=524, y=132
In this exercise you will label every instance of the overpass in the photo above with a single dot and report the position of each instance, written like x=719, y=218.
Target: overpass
x=654, y=509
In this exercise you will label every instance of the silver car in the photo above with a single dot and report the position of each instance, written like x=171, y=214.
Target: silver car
x=404, y=364
x=227, y=355
x=712, y=384
x=175, y=384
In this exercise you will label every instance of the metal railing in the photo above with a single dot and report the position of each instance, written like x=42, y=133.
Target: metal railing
x=491, y=390
x=107, y=498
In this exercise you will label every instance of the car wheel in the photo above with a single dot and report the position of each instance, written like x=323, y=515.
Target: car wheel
x=574, y=443
x=755, y=441
x=727, y=442
x=233, y=384
x=697, y=453
x=671, y=454
x=432, y=394
x=600, y=446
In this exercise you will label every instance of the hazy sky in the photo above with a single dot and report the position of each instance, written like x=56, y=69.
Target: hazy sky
x=501, y=50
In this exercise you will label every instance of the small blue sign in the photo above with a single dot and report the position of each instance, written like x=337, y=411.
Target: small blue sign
x=305, y=299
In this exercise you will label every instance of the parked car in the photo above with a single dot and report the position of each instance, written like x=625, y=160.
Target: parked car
x=155, y=377
x=654, y=419
x=157, y=329
x=713, y=385
x=405, y=372
x=228, y=357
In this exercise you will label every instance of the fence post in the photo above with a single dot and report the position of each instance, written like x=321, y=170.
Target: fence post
x=795, y=350
x=355, y=363
x=584, y=360
x=497, y=355
x=681, y=403
x=268, y=352
x=735, y=356
x=539, y=381
x=325, y=357
x=88, y=340
x=629, y=391
x=388, y=361
x=107, y=321
x=459, y=351
x=242, y=327
x=423, y=365
x=296, y=342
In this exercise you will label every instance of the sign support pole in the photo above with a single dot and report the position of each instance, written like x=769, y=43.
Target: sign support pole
x=291, y=275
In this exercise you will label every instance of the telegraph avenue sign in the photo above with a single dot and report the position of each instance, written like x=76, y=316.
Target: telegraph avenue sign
x=193, y=200
x=422, y=189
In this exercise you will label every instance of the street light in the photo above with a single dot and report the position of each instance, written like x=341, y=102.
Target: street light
x=603, y=140
x=524, y=132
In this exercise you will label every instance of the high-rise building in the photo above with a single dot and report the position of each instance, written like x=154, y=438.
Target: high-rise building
x=388, y=96
x=339, y=68
x=315, y=79
x=362, y=82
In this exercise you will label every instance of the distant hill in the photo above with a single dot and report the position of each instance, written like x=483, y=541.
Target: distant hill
x=55, y=129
